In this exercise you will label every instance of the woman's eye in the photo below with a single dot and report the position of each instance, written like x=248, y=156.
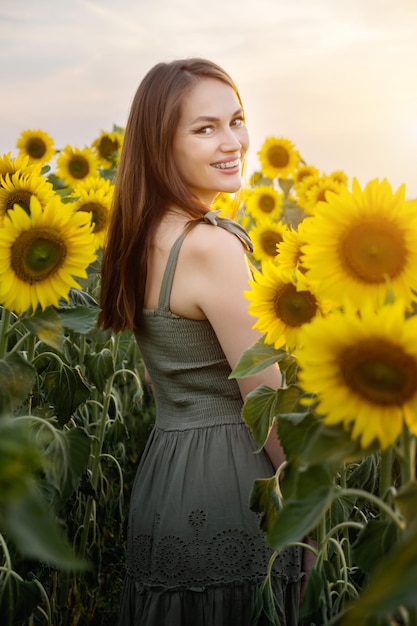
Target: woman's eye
x=205, y=130
x=239, y=121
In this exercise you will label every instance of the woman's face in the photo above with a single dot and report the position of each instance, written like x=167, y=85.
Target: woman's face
x=211, y=140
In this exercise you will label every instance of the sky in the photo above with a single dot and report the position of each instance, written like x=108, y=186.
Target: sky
x=336, y=77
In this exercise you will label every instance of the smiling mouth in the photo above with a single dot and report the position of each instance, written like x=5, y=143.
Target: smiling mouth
x=226, y=165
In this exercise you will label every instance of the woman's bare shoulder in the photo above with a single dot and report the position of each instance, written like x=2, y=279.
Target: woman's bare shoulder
x=206, y=240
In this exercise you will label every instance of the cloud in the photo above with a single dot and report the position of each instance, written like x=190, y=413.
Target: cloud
x=332, y=76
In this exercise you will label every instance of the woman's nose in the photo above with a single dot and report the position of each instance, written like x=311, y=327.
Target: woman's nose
x=230, y=140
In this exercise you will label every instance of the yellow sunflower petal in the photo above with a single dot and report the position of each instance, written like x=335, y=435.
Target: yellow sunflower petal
x=39, y=257
x=365, y=375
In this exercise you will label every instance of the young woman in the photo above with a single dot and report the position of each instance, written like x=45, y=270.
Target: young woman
x=175, y=273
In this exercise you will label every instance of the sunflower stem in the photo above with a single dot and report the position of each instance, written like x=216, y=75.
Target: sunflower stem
x=345, y=531
x=82, y=350
x=367, y=495
x=412, y=616
x=4, y=328
x=31, y=347
x=321, y=538
x=97, y=455
x=409, y=456
x=385, y=475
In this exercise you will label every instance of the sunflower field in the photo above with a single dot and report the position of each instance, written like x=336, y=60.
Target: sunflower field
x=333, y=296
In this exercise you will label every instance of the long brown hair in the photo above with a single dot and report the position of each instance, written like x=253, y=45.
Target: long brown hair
x=147, y=184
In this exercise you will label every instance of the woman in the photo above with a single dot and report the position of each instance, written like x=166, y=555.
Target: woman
x=175, y=274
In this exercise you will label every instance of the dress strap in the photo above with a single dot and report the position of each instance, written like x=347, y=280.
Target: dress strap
x=166, y=286
x=211, y=217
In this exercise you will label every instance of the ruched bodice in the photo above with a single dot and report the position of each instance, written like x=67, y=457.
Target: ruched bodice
x=189, y=373
x=185, y=361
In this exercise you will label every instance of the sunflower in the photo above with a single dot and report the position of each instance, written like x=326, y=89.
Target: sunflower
x=283, y=302
x=74, y=165
x=278, y=157
x=358, y=241
x=20, y=164
x=19, y=189
x=255, y=178
x=302, y=172
x=363, y=368
x=266, y=234
x=37, y=145
x=94, y=183
x=107, y=147
x=317, y=192
x=264, y=201
x=41, y=252
x=289, y=250
x=96, y=202
x=303, y=187
x=340, y=177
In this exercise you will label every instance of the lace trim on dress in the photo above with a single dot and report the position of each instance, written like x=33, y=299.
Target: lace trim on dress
x=231, y=555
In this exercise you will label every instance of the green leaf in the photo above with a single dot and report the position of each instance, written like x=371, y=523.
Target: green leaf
x=334, y=444
x=393, y=584
x=18, y=600
x=259, y=411
x=267, y=610
x=307, y=496
x=341, y=509
x=79, y=297
x=365, y=475
x=36, y=533
x=66, y=460
x=100, y=367
x=67, y=389
x=376, y=539
x=17, y=377
x=287, y=399
x=297, y=518
x=81, y=319
x=314, y=594
x=295, y=431
x=47, y=326
x=264, y=499
x=285, y=184
x=257, y=358
x=406, y=500
x=19, y=458
x=289, y=369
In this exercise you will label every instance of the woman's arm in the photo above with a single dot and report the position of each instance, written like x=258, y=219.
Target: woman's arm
x=221, y=275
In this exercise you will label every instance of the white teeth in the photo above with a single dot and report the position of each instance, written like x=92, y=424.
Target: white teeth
x=226, y=165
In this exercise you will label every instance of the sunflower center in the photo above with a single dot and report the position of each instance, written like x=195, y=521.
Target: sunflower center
x=380, y=372
x=293, y=307
x=373, y=250
x=266, y=203
x=78, y=166
x=269, y=241
x=321, y=196
x=107, y=147
x=36, y=254
x=21, y=197
x=98, y=215
x=278, y=156
x=36, y=148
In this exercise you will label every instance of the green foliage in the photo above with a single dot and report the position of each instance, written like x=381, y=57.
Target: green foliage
x=359, y=505
x=73, y=421
x=17, y=377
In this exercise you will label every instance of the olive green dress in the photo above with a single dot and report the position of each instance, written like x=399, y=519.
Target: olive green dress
x=195, y=552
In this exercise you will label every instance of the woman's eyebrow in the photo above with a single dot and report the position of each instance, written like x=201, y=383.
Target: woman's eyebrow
x=211, y=118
